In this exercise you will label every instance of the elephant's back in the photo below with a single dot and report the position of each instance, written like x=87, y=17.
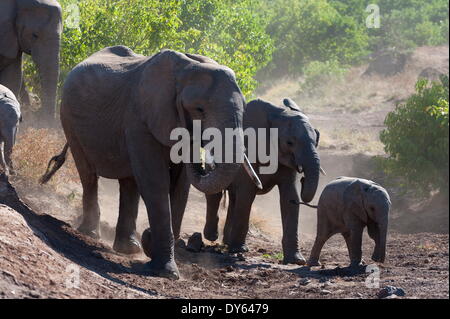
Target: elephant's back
x=333, y=193
x=96, y=96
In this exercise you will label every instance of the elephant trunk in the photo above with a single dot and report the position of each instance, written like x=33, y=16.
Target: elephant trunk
x=219, y=178
x=47, y=60
x=310, y=181
x=380, y=243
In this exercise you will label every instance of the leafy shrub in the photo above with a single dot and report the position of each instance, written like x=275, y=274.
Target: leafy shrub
x=312, y=30
x=317, y=74
x=416, y=139
x=227, y=31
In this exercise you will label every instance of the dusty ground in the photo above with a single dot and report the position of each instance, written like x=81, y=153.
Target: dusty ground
x=41, y=257
x=41, y=253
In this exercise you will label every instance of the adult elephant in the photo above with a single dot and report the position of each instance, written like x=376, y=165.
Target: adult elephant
x=297, y=154
x=118, y=111
x=33, y=27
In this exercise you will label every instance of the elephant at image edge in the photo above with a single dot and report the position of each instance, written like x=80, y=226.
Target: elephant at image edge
x=118, y=110
x=10, y=117
x=33, y=27
x=346, y=206
x=297, y=154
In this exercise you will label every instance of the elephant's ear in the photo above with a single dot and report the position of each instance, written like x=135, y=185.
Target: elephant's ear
x=354, y=197
x=157, y=94
x=289, y=103
x=9, y=45
x=317, y=137
x=201, y=58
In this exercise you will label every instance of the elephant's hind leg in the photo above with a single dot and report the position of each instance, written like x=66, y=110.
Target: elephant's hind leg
x=9, y=137
x=323, y=234
x=126, y=241
x=2, y=157
x=89, y=180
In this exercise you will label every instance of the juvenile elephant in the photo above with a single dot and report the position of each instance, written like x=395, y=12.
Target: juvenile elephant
x=346, y=206
x=9, y=123
x=297, y=154
x=118, y=111
x=33, y=27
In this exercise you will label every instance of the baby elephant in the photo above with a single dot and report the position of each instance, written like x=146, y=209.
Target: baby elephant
x=346, y=206
x=9, y=122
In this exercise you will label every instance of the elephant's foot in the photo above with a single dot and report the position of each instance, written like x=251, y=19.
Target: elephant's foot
x=296, y=259
x=377, y=258
x=127, y=245
x=237, y=248
x=210, y=233
x=93, y=232
x=313, y=263
x=157, y=268
x=357, y=266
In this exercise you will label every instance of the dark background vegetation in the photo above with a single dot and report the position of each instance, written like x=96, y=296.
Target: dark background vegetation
x=264, y=40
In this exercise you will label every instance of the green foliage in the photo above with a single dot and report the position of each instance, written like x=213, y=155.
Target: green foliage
x=312, y=30
x=229, y=32
x=406, y=24
x=316, y=74
x=417, y=139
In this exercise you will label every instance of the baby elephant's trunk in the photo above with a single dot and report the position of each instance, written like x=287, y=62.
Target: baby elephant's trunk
x=58, y=161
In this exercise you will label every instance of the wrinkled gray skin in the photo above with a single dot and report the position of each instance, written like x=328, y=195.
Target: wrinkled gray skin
x=9, y=125
x=297, y=151
x=33, y=27
x=118, y=110
x=346, y=206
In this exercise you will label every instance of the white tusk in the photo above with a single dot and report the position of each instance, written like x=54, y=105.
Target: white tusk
x=251, y=172
x=323, y=171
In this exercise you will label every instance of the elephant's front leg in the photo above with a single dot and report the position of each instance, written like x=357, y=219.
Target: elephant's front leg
x=126, y=241
x=212, y=217
x=179, y=192
x=289, y=199
x=240, y=217
x=150, y=164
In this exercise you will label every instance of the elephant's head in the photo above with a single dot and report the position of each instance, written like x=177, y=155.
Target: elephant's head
x=371, y=203
x=182, y=88
x=34, y=27
x=298, y=142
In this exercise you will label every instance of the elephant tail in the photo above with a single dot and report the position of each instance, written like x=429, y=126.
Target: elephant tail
x=295, y=202
x=58, y=161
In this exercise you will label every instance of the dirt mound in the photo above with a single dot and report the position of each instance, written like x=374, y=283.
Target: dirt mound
x=42, y=257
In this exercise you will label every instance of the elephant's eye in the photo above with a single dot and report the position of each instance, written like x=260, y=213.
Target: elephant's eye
x=290, y=143
x=200, y=110
x=35, y=36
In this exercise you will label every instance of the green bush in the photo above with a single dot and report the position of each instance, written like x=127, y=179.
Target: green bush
x=406, y=24
x=227, y=31
x=416, y=139
x=317, y=74
x=312, y=30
